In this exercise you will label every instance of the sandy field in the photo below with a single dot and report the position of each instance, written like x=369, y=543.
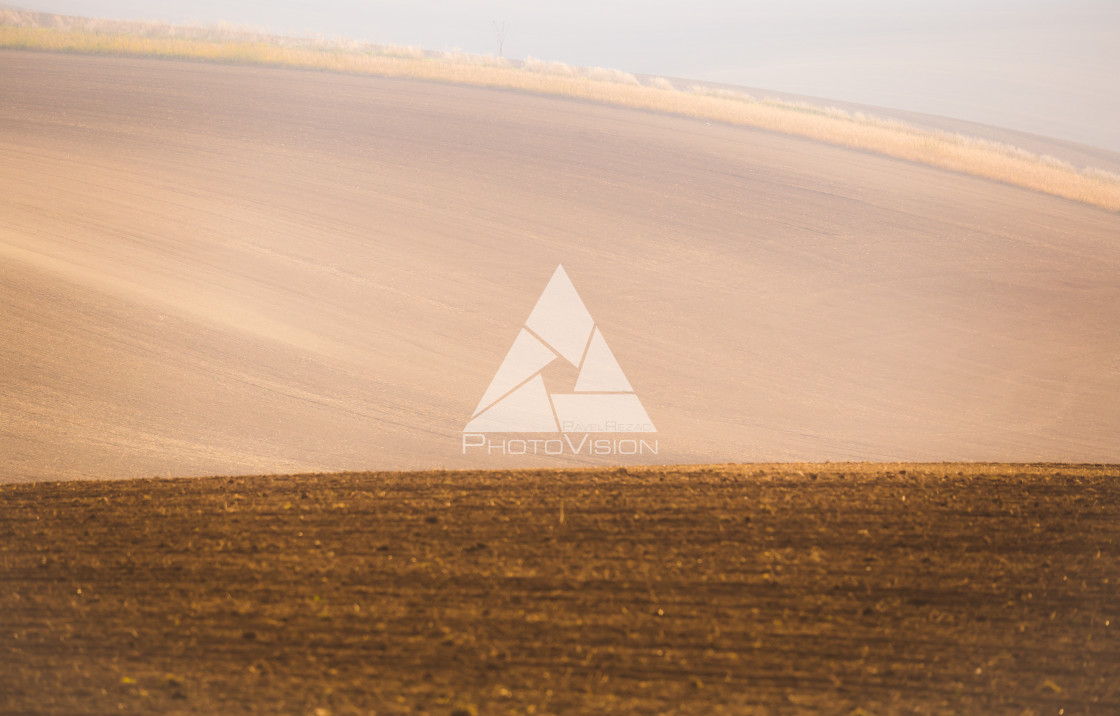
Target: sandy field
x=218, y=270
x=210, y=269
x=762, y=590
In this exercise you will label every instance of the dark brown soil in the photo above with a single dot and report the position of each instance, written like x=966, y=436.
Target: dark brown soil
x=834, y=589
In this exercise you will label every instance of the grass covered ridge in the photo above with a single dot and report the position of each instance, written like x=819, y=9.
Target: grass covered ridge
x=969, y=155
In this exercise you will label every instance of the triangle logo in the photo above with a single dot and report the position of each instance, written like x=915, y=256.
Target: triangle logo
x=559, y=328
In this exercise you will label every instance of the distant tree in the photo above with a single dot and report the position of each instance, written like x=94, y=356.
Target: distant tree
x=500, y=31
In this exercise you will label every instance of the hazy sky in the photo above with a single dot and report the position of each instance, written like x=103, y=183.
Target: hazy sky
x=1038, y=65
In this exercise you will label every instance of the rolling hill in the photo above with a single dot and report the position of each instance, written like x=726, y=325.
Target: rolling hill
x=220, y=269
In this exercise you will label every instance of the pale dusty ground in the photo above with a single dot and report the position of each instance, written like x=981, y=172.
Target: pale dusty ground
x=210, y=269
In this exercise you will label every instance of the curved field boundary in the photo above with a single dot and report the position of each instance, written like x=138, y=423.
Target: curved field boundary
x=956, y=152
